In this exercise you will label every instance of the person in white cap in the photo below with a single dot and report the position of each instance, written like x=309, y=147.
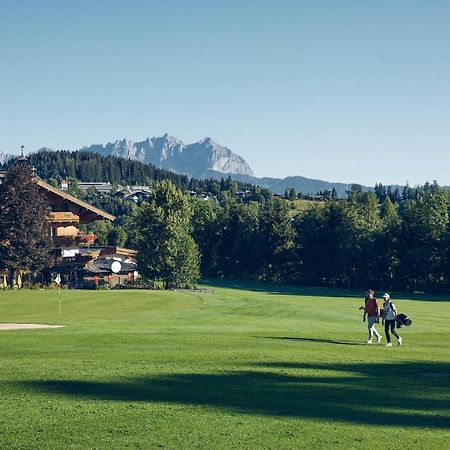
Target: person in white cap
x=389, y=319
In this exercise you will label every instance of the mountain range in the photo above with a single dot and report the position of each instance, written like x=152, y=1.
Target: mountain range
x=203, y=159
x=207, y=159
x=4, y=157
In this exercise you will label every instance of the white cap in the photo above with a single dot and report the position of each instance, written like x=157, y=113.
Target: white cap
x=386, y=296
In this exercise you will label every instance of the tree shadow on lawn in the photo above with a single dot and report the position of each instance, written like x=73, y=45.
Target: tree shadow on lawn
x=309, y=291
x=400, y=394
x=282, y=289
x=304, y=339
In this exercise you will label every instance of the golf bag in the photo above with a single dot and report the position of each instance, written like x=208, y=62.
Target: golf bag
x=403, y=320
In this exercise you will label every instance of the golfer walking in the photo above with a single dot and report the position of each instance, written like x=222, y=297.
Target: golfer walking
x=372, y=311
x=389, y=319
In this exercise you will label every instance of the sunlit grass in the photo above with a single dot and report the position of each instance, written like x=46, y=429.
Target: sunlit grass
x=252, y=366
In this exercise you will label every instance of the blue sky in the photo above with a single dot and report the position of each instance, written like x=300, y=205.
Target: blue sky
x=351, y=91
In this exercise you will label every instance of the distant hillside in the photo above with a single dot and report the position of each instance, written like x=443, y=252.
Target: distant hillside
x=93, y=167
x=300, y=184
x=88, y=166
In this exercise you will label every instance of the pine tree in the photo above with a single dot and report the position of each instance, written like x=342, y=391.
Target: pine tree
x=25, y=241
x=206, y=230
x=334, y=195
x=292, y=194
x=275, y=241
x=166, y=249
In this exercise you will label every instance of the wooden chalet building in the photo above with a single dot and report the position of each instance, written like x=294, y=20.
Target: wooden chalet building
x=67, y=214
x=78, y=261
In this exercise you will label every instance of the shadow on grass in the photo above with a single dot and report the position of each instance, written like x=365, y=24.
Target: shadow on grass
x=282, y=289
x=286, y=289
x=320, y=341
x=407, y=395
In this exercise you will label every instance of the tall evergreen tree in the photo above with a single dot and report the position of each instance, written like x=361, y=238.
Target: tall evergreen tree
x=385, y=249
x=166, y=249
x=275, y=241
x=205, y=224
x=334, y=195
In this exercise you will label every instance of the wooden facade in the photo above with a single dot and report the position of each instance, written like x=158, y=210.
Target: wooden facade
x=75, y=256
x=67, y=213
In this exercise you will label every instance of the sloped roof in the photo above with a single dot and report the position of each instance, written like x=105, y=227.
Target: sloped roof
x=96, y=211
x=102, y=265
x=92, y=209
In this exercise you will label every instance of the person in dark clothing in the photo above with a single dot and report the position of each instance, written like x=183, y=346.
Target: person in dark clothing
x=389, y=319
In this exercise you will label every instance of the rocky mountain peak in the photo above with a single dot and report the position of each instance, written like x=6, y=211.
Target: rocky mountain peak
x=197, y=160
x=4, y=157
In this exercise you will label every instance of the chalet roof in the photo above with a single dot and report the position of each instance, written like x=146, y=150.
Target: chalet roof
x=96, y=211
x=102, y=266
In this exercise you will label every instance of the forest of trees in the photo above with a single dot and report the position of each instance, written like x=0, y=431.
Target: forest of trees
x=361, y=241
x=88, y=166
x=365, y=240
x=384, y=239
x=53, y=166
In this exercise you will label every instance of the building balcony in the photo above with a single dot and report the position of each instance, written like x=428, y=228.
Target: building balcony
x=64, y=217
x=74, y=241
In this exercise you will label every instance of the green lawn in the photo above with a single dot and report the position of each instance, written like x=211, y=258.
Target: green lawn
x=253, y=366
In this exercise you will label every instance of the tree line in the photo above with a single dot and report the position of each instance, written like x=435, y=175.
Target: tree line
x=383, y=239
x=360, y=241
x=93, y=167
x=54, y=166
x=363, y=240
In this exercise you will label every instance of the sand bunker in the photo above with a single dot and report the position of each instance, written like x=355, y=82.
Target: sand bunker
x=26, y=326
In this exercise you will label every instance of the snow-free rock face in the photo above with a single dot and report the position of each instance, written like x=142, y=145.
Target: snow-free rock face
x=168, y=152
